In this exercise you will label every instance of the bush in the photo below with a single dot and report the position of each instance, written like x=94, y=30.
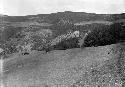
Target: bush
x=68, y=44
x=65, y=44
x=105, y=35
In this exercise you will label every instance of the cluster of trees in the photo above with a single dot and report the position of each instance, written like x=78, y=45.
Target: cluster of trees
x=105, y=35
x=17, y=40
x=99, y=35
x=65, y=44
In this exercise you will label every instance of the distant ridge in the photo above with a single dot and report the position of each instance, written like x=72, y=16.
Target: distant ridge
x=73, y=17
x=64, y=12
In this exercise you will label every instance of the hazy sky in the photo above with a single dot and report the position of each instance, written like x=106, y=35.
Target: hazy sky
x=29, y=7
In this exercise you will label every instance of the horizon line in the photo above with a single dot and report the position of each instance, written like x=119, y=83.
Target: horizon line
x=62, y=12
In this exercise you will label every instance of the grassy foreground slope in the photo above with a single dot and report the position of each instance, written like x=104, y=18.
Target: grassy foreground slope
x=101, y=66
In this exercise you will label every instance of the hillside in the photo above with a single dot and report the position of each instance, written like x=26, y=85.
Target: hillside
x=60, y=17
x=17, y=33
x=101, y=66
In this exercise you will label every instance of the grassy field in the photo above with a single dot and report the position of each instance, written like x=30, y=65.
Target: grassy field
x=88, y=67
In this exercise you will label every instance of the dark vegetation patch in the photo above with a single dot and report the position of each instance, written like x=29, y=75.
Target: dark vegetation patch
x=100, y=35
x=105, y=35
x=65, y=44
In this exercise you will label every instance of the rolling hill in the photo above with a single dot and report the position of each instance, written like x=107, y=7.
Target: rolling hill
x=18, y=28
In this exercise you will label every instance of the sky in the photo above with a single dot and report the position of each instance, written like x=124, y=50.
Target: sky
x=32, y=7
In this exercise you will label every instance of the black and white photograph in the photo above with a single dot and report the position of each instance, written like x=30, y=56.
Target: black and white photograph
x=62, y=43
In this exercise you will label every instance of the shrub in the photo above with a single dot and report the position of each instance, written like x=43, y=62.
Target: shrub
x=105, y=35
x=65, y=44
